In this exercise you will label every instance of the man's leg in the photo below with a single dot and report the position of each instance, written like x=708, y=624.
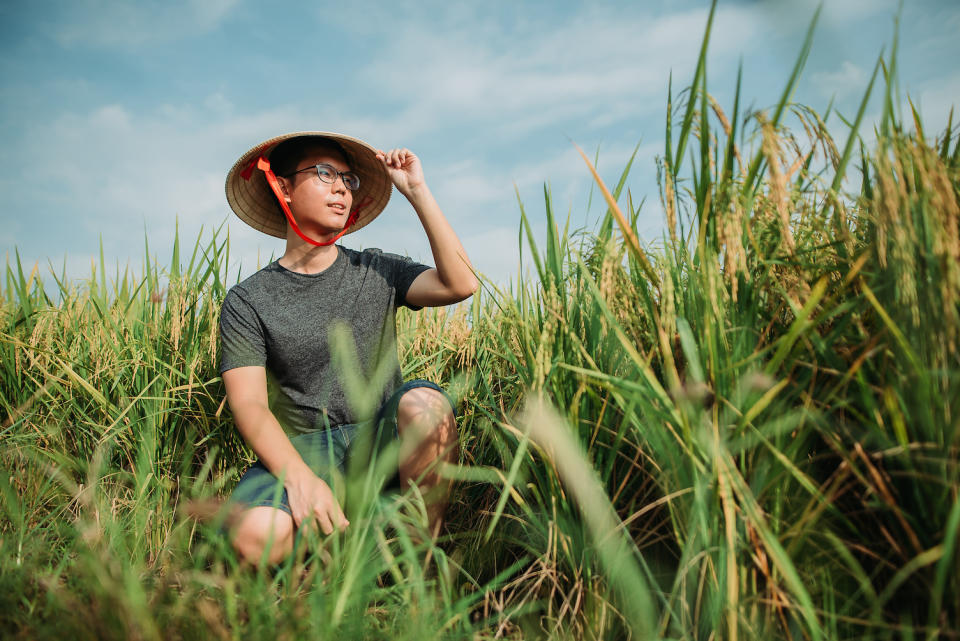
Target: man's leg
x=259, y=527
x=428, y=438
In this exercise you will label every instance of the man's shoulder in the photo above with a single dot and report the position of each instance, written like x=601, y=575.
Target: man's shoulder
x=372, y=255
x=362, y=256
x=256, y=283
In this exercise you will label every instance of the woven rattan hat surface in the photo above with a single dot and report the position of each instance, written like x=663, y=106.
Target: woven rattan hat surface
x=253, y=201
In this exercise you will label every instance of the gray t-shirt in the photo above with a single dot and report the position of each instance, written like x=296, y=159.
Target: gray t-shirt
x=281, y=320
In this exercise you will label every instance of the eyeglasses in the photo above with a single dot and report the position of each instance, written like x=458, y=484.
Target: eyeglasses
x=328, y=174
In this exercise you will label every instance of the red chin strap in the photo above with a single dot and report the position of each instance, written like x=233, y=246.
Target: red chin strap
x=264, y=165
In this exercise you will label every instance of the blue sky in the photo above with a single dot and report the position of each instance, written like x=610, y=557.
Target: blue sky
x=120, y=117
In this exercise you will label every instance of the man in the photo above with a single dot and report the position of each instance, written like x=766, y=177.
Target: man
x=277, y=330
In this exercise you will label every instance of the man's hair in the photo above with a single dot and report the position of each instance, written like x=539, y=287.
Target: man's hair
x=287, y=155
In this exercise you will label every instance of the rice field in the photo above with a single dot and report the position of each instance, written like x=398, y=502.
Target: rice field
x=748, y=429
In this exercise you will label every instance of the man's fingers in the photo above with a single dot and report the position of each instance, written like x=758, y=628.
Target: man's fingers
x=301, y=520
x=324, y=521
x=394, y=157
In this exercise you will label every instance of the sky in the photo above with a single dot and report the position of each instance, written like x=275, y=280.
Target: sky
x=119, y=120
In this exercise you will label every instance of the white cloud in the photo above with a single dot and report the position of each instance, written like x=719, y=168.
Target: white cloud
x=934, y=102
x=117, y=173
x=495, y=252
x=850, y=79
x=797, y=14
x=587, y=68
x=123, y=24
x=844, y=11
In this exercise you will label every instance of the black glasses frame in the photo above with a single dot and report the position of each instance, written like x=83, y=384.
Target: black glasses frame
x=350, y=179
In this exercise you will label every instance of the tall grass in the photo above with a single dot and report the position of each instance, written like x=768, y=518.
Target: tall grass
x=748, y=432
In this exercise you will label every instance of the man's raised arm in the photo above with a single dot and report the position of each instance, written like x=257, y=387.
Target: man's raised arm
x=452, y=280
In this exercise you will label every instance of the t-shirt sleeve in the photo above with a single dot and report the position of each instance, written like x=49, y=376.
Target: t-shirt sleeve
x=241, y=334
x=405, y=270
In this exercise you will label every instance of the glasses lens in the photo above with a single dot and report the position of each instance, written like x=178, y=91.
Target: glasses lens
x=327, y=173
x=351, y=180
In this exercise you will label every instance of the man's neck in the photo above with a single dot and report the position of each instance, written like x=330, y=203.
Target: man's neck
x=304, y=258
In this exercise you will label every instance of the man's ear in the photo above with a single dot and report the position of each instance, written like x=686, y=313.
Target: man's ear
x=284, y=188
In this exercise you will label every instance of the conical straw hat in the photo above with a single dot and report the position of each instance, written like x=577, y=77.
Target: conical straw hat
x=253, y=201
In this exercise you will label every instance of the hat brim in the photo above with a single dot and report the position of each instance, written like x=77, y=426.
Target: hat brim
x=253, y=201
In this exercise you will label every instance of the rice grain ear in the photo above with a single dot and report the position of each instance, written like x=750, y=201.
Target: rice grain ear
x=778, y=185
x=625, y=227
x=670, y=201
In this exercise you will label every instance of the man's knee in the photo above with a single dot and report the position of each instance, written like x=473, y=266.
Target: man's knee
x=428, y=413
x=263, y=528
x=428, y=439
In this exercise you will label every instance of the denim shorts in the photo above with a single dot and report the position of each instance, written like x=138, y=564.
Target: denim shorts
x=327, y=452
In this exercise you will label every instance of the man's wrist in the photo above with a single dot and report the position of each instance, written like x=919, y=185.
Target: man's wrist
x=296, y=472
x=417, y=194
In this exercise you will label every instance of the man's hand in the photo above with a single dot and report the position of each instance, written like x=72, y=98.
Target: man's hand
x=404, y=169
x=312, y=500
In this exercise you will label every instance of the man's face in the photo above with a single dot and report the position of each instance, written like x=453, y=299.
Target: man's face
x=320, y=208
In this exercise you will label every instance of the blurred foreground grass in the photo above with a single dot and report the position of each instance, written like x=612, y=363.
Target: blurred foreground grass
x=750, y=431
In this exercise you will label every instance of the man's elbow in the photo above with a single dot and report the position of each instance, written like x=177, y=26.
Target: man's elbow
x=466, y=289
